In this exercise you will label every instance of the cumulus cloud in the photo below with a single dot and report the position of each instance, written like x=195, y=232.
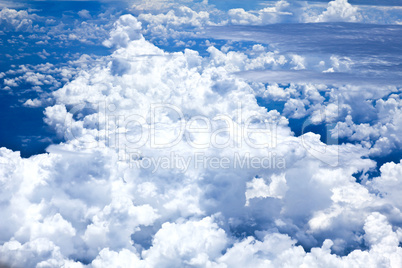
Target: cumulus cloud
x=177, y=23
x=112, y=193
x=13, y=20
x=166, y=21
x=280, y=11
x=33, y=103
x=126, y=29
x=85, y=14
x=339, y=10
x=271, y=250
x=257, y=188
x=381, y=132
x=388, y=183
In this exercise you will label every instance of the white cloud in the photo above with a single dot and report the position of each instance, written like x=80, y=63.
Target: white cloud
x=240, y=16
x=339, y=10
x=13, y=20
x=10, y=82
x=194, y=243
x=85, y=14
x=277, y=12
x=109, y=258
x=388, y=183
x=381, y=133
x=258, y=188
x=33, y=103
x=126, y=29
x=86, y=200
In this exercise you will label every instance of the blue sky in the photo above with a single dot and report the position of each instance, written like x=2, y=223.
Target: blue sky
x=200, y=133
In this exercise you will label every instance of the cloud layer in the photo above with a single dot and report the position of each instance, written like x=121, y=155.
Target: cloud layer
x=177, y=159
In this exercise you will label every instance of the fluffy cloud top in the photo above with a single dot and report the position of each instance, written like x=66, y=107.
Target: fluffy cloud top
x=126, y=29
x=12, y=20
x=339, y=10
